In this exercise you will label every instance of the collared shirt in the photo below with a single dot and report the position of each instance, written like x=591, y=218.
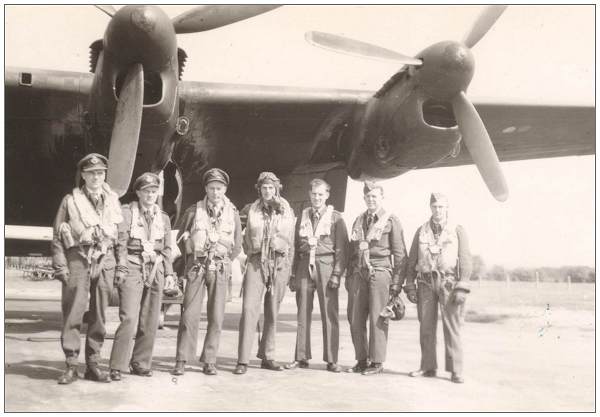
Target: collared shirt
x=97, y=199
x=315, y=216
x=436, y=228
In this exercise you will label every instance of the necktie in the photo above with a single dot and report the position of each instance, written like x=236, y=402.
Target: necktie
x=370, y=220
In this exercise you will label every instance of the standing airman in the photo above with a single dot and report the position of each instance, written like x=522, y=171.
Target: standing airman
x=440, y=262
x=214, y=238
x=377, y=265
x=269, y=244
x=85, y=233
x=321, y=255
x=144, y=269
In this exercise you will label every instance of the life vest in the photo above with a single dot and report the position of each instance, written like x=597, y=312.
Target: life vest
x=439, y=254
x=282, y=227
x=208, y=234
x=373, y=235
x=323, y=226
x=139, y=227
x=312, y=235
x=83, y=217
x=374, y=232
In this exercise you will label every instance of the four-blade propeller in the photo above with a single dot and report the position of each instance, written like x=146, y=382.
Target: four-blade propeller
x=473, y=131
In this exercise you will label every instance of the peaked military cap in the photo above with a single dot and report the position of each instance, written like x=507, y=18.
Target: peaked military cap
x=370, y=186
x=92, y=162
x=215, y=174
x=146, y=180
x=438, y=198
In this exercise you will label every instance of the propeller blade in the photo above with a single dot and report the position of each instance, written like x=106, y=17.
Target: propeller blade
x=479, y=144
x=349, y=46
x=106, y=8
x=483, y=24
x=202, y=18
x=126, y=131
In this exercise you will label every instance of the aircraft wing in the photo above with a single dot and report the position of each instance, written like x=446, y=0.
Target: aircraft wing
x=247, y=129
x=528, y=131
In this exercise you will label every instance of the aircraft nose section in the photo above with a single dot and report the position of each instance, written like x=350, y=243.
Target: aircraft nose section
x=447, y=68
x=141, y=34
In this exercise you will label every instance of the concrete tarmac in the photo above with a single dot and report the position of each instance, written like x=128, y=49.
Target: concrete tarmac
x=518, y=362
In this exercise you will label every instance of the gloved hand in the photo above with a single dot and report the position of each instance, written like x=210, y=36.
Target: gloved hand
x=395, y=290
x=334, y=282
x=458, y=296
x=119, y=278
x=292, y=284
x=410, y=289
x=62, y=276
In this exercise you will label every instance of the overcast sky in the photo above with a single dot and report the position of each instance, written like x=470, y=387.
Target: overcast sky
x=537, y=54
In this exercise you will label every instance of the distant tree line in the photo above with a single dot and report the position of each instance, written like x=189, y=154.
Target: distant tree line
x=546, y=274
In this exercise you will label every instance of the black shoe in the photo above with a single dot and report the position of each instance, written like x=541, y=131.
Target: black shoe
x=136, y=369
x=210, y=369
x=92, y=373
x=70, y=375
x=271, y=365
x=240, y=369
x=359, y=367
x=179, y=368
x=427, y=374
x=115, y=374
x=373, y=369
x=334, y=367
x=457, y=379
x=296, y=364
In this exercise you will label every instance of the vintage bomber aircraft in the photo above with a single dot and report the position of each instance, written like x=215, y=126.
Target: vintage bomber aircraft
x=134, y=107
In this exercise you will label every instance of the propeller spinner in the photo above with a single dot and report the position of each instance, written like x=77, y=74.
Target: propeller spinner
x=446, y=75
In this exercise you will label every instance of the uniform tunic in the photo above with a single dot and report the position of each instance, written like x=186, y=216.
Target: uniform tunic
x=73, y=261
x=436, y=288
x=199, y=280
x=369, y=289
x=140, y=301
x=269, y=244
x=331, y=254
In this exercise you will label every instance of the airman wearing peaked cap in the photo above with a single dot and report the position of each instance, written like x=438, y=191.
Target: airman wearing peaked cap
x=212, y=233
x=438, y=272
x=144, y=269
x=215, y=174
x=85, y=233
x=146, y=180
x=92, y=162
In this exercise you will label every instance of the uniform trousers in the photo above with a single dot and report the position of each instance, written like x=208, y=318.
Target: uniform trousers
x=434, y=290
x=370, y=294
x=139, y=308
x=74, y=303
x=214, y=283
x=328, y=304
x=254, y=287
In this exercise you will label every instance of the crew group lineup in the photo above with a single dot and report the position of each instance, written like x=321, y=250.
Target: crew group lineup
x=99, y=244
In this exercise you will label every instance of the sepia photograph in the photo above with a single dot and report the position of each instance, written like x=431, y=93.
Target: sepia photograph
x=299, y=208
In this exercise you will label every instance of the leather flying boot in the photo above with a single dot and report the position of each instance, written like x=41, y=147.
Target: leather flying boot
x=93, y=373
x=115, y=374
x=70, y=375
x=136, y=369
